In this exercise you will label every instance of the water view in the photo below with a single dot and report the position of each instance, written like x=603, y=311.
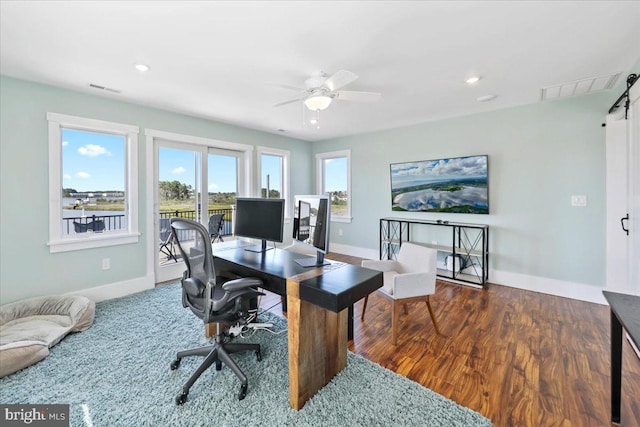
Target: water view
x=456, y=185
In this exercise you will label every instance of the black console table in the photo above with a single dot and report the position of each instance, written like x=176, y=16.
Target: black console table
x=466, y=245
x=625, y=312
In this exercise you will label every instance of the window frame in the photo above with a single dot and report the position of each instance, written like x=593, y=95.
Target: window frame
x=285, y=155
x=58, y=242
x=320, y=183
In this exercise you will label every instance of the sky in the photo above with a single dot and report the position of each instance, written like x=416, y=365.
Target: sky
x=179, y=165
x=335, y=171
x=92, y=161
x=436, y=170
x=95, y=162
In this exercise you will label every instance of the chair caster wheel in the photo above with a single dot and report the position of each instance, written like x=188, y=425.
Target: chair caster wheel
x=175, y=364
x=243, y=392
x=181, y=398
x=258, y=355
x=218, y=366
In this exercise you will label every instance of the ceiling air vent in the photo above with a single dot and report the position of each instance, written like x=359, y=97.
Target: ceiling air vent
x=108, y=89
x=579, y=87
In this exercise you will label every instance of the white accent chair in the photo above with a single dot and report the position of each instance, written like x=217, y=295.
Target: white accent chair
x=410, y=278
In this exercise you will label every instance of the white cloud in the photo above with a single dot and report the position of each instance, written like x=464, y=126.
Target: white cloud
x=83, y=175
x=92, y=150
x=178, y=170
x=458, y=167
x=213, y=187
x=66, y=176
x=65, y=143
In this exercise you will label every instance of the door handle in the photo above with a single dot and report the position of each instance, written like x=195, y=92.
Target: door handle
x=622, y=220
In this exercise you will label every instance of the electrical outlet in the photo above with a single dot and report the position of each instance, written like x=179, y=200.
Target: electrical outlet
x=339, y=231
x=434, y=242
x=578, y=200
x=106, y=263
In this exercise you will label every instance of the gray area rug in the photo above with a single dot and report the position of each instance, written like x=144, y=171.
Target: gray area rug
x=117, y=374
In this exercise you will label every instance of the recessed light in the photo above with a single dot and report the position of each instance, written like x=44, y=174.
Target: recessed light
x=142, y=67
x=486, y=98
x=471, y=80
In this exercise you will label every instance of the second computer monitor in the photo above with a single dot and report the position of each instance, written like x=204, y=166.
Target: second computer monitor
x=311, y=226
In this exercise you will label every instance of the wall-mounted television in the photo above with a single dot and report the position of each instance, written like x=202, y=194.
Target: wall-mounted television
x=311, y=226
x=261, y=219
x=454, y=185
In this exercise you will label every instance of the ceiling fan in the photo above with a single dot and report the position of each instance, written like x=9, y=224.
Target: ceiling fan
x=320, y=90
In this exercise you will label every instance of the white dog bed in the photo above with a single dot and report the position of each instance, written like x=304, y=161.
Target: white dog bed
x=30, y=327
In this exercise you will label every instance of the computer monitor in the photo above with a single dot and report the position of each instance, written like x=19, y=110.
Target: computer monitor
x=311, y=226
x=259, y=219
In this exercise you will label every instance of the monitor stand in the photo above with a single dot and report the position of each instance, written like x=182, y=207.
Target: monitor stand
x=310, y=262
x=258, y=248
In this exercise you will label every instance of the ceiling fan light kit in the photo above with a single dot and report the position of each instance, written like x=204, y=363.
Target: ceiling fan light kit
x=320, y=91
x=317, y=102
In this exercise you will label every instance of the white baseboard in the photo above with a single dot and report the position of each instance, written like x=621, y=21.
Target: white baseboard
x=116, y=290
x=354, y=251
x=545, y=285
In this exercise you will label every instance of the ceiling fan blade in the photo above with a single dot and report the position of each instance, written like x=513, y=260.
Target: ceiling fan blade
x=298, y=89
x=289, y=101
x=350, y=95
x=339, y=79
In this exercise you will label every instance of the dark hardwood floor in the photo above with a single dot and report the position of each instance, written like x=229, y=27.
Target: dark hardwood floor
x=520, y=358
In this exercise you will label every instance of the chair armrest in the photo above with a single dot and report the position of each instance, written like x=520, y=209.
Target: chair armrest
x=381, y=265
x=409, y=285
x=237, y=284
x=235, y=289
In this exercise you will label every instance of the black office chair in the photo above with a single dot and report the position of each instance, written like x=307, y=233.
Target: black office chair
x=166, y=239
x=212, y=302
x=215, y=227
x=96, y=226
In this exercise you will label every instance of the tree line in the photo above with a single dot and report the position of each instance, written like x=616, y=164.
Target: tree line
x=176, y=190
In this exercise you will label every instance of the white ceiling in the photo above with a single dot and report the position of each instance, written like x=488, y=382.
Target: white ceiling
x=212, y=59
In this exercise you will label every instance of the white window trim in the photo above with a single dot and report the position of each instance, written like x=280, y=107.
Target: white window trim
x=320, y=158
x=286, y=155
x=58, y=243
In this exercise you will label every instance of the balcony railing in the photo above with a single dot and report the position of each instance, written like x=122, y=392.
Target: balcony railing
x=100, y=223
x=96, y=223
x=227, y=225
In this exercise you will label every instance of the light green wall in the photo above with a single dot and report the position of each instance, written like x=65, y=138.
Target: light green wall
x=539, y=156
x=26, y=266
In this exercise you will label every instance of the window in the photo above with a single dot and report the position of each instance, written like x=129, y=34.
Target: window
x=273, y=170
x=93, y=183
x=334, y=179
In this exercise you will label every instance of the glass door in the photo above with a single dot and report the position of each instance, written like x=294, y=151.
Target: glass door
x=179, y=170
x=194, y=182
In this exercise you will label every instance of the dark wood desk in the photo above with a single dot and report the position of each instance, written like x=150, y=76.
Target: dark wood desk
x=625, y=312
x=318, y=301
